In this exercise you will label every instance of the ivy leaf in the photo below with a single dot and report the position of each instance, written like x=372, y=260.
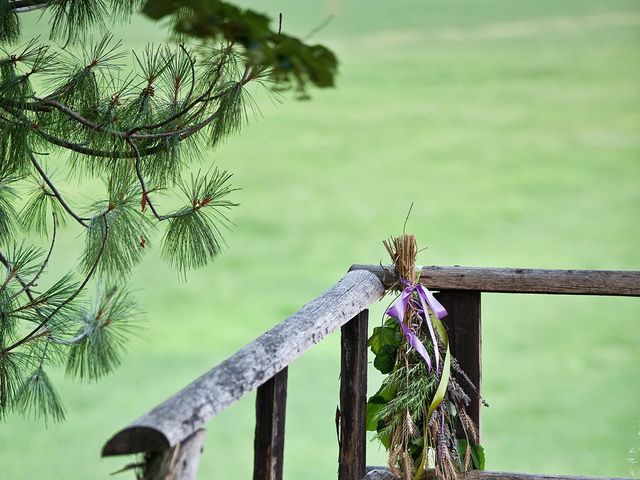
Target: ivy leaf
x=477, y=456
x=388, y=335
x=376, y=403
x=385, y=360
x=477, y=453
x=384, y=343
x=385, y=394
x=416, y=446
x=373, y=415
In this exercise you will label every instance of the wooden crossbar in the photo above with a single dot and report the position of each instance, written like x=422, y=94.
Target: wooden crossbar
x=382, y=473
x=520, y=280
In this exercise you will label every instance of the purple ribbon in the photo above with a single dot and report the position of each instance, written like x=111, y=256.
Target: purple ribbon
x=399, y=308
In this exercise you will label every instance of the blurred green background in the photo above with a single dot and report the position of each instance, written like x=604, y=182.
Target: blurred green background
x=513, y=126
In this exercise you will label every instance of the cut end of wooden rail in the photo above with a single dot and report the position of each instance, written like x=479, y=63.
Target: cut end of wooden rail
x=135, y=440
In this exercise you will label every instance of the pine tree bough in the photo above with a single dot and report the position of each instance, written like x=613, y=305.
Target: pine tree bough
x=76, y=107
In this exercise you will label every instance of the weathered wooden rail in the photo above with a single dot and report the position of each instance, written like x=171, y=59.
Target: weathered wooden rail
x=171, y=434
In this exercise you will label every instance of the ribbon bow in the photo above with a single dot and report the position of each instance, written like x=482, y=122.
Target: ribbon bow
x=399, y=308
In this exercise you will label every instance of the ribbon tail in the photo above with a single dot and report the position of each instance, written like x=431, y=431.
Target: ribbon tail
x=427, y=320
x=416, y=344
x=434, y=304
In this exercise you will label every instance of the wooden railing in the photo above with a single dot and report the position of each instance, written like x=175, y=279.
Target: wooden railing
x=171, y=433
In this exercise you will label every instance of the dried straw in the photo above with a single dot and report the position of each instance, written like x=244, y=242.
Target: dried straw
x=403, y=251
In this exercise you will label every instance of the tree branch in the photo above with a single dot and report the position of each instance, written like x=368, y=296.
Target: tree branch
x=69, y=299
x=45, y=262
x=143, y=185
x=82, y=221
x=25, y=286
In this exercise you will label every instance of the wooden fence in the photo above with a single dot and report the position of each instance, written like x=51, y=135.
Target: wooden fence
x=171, y=435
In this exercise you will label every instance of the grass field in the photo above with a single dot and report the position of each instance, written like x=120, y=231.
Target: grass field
x=514, y=127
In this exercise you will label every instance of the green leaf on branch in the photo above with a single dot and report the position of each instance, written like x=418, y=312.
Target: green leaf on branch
x=288, y=59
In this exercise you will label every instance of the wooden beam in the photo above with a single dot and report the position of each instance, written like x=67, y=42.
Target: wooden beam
x=268, y=446
x=176, y=463
x=186, y=411
x=463, y=323
x=353, y=399
x=521, y=280
x=382, y=473
x=481, y=475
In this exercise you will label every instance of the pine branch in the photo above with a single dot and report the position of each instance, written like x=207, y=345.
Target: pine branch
x=56, y=193
x=27, y=286
x=181, y=133
x=13, y=272
x=135, y=131
x=69, y=299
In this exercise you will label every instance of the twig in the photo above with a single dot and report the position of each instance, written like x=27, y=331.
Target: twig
x=320, y=27
x=25, y=286
x=45, y=262
x=143, y=185
x=56, y=193
x=404, y=225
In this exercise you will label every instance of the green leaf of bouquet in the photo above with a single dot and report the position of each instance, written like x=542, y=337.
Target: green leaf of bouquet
x=385, y=439
x=373, y=415
x=415, y=448
x=384, y=336
x=385, y=394
x=477, y=456
x=385, y=360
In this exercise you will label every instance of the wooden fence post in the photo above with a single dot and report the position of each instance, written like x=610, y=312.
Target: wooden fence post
x=271, y=406
x=353, y=399
x=176, y=463
x=465, y=339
